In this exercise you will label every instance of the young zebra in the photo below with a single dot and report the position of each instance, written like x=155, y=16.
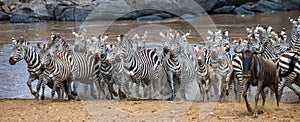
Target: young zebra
x=56, y=70
x=289, y=71
x=23, y=50
x=205, y=76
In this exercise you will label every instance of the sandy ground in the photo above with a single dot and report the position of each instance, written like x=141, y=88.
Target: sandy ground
x=144, y=110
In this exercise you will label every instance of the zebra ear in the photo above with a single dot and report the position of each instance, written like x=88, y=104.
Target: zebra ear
x=14, y=41
x=40, y=45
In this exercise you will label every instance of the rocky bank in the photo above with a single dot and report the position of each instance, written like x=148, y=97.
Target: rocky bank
x=29, y=11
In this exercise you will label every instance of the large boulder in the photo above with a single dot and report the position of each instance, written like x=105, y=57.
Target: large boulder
x=267, y=6
x=33, y=11
x=63, y=12
x=132, y=9
x=241, y=10
x=290, y=4
x=224, y=10
x=149, y=18
x=207, y=5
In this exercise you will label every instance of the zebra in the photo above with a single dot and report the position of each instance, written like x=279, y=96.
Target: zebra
x=23, y=50
x=170, y=62
x=84, y=66
x=80, y=42
x=56, y=70
x=172, y=67
x=289, y=71
x=295, y=44
x=58, y=43
x=222, y=71
x=236, y=74
x=205, y=75
x=139, y=65
x=140, y=40
x=106, y=69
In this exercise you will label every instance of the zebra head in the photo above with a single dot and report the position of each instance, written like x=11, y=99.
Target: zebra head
x=140, y=40
x=58, y=44
x=80, y=42
x=44, y=53
x=19, y=50
x=125, y=48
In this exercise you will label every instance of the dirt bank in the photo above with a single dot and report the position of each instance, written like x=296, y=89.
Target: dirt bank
x=103, y=110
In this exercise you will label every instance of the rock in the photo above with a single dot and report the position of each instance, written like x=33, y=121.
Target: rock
x=207, y=5
x=241, y=10
x=240, y=2
x=24, y=18
x=267, y=6
x=149, y=18
x=290, y=4
x=4, y=16
x=130, y=16
x=248, y=6
x=61, y=12
x=187, y=16
x=163, y=15
x=131, y=9
x=224, y=10
x=30, y=12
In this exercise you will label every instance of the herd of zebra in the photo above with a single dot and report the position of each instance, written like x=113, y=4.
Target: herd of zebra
x=127, y=69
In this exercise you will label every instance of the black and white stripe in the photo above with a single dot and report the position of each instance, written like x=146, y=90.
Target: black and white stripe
x=56, y=70
x=23, y=50
x=289, y=70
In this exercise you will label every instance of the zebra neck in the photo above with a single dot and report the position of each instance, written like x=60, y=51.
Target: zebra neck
x=31, y=56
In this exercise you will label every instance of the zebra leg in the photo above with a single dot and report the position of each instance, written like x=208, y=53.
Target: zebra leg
x=102, y=89
x=63, y=90
x=171, y=84
x=220, y=87
x=289, y=85
x=201, y=88
x=207, y=87
x=235, y=89
x=38, y=87
x=70, y=95
x=43, y=90
x=74, y=92
x=92, y=90
x=110, y=89
x=246, y=87
x=30, y=80
x=53, y=90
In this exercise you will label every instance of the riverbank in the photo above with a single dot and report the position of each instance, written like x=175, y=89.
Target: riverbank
x=39, y=110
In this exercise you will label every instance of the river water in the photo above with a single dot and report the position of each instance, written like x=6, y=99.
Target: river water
x=14, y=78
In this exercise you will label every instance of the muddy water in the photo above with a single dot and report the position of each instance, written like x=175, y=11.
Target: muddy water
x=14, y=78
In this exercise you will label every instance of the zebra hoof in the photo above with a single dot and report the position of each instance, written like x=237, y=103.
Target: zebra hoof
x=37, y=96
x=33, y=93
x=42, y=97
x=74, y=93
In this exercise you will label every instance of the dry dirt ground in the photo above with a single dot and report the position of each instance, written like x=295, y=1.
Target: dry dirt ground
x=143, y=110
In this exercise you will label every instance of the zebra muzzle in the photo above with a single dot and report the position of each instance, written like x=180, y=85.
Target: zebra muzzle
x=12, y=61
